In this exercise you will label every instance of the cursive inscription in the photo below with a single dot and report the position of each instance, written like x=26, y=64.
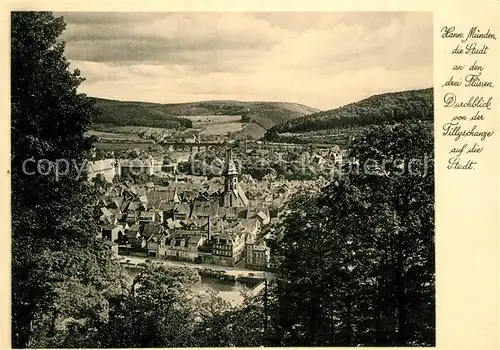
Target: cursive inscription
x=466, y=126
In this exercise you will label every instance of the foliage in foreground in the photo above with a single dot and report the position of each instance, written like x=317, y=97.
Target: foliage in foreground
x=356, y=261
x=60, y=274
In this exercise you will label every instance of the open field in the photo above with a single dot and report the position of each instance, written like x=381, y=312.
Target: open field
x=212, y=119
x=250, y=130
x=176, y=116
x=219, y=129
x=216, y=124
x=206, y=124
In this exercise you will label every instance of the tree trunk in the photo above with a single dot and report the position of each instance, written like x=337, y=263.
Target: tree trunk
x=349, y=322
x=22, y=325
x=402, y=336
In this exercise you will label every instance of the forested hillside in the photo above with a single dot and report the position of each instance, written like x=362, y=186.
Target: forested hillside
x=131, y=113
x=377, y=109
x=137, y=114
x=269, y=114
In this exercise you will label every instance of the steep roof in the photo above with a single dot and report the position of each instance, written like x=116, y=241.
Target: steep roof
x=262, y=215
x=101, y=165
x=182, y=209
x=166, y=206
x=147, y=214
x=242, y=195
x=226, y=236
x=155, y=197
x=205, y=208
x=152, y=229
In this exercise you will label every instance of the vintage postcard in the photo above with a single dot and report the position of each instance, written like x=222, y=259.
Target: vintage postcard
x=256, y=175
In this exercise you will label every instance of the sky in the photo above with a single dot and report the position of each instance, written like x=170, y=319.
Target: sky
x=322, y=60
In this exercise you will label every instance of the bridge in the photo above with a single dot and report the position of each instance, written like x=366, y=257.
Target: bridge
x=298, y=145
x=192, y=146
x=200, y=146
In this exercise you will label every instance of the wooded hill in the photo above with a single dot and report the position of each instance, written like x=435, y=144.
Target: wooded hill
x=123, y=113
x=377, y=109
x=264, y=114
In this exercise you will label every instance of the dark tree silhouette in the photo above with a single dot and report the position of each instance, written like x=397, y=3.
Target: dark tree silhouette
x=356, y=261
x=53, y=230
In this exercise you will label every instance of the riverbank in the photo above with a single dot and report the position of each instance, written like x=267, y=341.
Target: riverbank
x=226, y=270
x=231, y=288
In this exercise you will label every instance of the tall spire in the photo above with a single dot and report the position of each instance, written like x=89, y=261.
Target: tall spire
x=231, y=169
x=233, y=194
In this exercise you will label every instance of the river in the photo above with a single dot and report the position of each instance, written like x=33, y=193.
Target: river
x=229, y=291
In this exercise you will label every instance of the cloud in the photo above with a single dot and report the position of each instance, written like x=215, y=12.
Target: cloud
x=403, y=41
x=319, y=59
x=157, y=37
x=86, y=18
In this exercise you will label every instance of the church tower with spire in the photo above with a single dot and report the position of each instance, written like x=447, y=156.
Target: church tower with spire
x=233, y=193
x=231, y=173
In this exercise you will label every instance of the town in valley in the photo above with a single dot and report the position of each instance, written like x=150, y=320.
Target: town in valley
x=223, y=179
x=201, y=201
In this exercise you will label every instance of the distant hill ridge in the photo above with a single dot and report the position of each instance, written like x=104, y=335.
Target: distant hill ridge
x=169, y=115
x=126, y=113
x=377, y=109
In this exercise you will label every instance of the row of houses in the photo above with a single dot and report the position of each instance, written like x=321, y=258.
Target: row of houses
x=221, y=243
x=109, y=168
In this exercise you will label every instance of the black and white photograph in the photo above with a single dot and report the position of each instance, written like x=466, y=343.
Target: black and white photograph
x=222, y=179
